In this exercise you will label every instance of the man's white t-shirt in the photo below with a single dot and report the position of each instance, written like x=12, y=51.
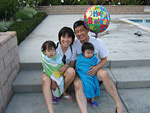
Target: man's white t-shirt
x=99, y=48
x=69, y=53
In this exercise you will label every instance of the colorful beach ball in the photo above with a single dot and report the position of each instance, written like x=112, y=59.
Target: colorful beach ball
x=97, y=19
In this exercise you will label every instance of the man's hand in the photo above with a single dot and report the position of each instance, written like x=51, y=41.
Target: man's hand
x=93, y=71
x=54, y=85
x=63, y=68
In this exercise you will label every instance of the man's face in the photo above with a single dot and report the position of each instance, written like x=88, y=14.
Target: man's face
x=82, y=33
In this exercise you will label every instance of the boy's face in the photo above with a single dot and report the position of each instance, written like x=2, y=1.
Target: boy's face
x=50, y=52
x=65, y=40
x=88, y=53
x=82, y=34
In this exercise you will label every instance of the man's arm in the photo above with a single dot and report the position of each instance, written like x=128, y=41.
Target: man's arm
x=94, y=69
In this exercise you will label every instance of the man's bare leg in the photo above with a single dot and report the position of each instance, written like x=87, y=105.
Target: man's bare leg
x=80, y=96
x=46, y=83
x=102, y=75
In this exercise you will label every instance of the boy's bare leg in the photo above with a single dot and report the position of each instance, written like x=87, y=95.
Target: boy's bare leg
x=80, y=96
x=102, y=75
x=46, y=83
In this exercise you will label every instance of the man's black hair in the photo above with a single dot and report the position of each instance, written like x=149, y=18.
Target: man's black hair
x=64, y=31
x=48, y=45
x=79, y=23
x=87, y=46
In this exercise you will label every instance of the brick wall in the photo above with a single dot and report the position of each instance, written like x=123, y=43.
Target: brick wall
x=9, y=66
x=81, y=9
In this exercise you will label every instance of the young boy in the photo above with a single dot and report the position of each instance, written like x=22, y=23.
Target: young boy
x=83, y=64
x=52, y=61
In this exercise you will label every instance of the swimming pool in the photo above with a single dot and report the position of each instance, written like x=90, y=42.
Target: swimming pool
x=142, y=22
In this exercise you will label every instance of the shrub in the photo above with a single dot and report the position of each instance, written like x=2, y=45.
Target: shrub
x=69, y=2
x=24, y=28
x=45, y=2
x=55, y=2
x=4, y=25
x=9, y=7
x=146, y=2
x=25, y=14
x=133, y=2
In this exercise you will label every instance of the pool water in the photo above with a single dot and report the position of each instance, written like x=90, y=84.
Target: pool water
x=142, y=22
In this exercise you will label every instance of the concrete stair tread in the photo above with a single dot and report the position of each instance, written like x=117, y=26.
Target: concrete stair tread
x=32, y=77
x=34, y=103
x=131, y=77
x=128, y=77
x=28, y=81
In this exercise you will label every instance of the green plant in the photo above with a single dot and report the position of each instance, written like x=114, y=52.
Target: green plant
x=9, y=7
x=25, y=14
x=133, y=2
x=55, y=2
x=25, y=27
x=107, y=2
x=69, y=2
x=146, y=2
x=4, y=25
x=83, y=2
x=45, y=2
x=28, y=3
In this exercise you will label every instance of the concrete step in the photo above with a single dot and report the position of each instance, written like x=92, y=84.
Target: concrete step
x=132, y=77
x=36, y=65
x=127, y=77
x=30, y=81
x=34, y=103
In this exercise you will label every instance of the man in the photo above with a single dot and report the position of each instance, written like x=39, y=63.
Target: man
x=101, y=52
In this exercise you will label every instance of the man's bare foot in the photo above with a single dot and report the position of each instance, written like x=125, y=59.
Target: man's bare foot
x=119, y=109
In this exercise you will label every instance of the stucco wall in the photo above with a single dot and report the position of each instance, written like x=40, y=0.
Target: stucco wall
x=9, y=66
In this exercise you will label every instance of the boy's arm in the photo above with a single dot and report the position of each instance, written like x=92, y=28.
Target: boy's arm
x=94, y=69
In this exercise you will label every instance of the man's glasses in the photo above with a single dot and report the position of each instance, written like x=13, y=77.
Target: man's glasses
x=64, y=59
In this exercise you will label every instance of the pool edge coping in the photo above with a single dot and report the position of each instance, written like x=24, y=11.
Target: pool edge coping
x=136, y=24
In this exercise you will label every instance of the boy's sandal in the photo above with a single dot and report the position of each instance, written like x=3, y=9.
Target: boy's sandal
x=88, y=100
x=55, y=101
x=94, y=104
x=68, y=98
x=59, y=98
